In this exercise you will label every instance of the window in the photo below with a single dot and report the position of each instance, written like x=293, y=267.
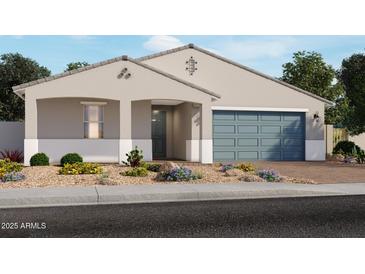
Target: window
x=93, y=121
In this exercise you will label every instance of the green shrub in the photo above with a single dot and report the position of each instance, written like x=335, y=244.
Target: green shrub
x=71, y=158
x=154, y=167
x=197, y=175
x=360, y=157
x=103, y=178
x=246, y=167
x=136, y=172
x=134, y=158
x=39, y=159
x=81, y=168
x=7, y=166
x=346, y=148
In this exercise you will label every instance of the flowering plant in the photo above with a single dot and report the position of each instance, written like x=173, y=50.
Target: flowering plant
x=269, y=175
x=225, y=167
x=12, y=177
x=178, y=174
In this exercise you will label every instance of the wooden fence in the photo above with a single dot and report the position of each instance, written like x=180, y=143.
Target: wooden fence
x=339, y=134
x=333, y=136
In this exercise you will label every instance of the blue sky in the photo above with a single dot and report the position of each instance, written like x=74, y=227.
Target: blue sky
x=263, y=53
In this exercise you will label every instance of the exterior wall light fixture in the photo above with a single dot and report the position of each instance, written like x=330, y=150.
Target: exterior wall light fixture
x=316, y=117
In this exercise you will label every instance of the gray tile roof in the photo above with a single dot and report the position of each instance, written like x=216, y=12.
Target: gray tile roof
x=141, y=59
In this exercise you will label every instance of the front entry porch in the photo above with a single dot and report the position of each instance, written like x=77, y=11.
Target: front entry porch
x=162, y=129
x=175, y=129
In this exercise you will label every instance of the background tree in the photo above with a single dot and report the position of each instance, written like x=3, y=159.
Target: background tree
x=352, y=76
x=76, y=65
x=15, y=70
x=310, y=72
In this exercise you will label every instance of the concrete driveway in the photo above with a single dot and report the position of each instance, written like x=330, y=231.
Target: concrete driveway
x=320, y=172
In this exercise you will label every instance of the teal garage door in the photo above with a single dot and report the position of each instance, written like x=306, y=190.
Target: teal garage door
x=251, y=135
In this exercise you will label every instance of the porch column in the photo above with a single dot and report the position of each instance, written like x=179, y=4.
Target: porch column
x=141, y=127
x=193, y=132
x=206, y=146
x=31, y=129
x=125, y=129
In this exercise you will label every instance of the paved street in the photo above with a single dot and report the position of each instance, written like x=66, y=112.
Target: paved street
x=341, y=216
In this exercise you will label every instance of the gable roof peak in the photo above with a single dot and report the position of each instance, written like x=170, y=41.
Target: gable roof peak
x=268, y=77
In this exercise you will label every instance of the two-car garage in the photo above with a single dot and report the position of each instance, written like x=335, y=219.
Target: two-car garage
x=258, y=135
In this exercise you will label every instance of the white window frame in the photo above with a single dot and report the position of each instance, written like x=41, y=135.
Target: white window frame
x=96, y=104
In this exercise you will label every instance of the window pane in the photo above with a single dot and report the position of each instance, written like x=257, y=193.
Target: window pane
x=93, y=130
x=93, y=113
x=93, y=122
x=101, y=130
x=86, y=130
x=101, y=114
x=86, y=113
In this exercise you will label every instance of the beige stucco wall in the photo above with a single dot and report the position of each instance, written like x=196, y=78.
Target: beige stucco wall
x=181, y=129
x=103, y=83
x=241, y=88
x=62, y=118
x=141, y=119
x=359, y=140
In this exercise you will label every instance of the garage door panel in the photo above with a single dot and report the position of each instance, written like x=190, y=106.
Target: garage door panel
x=248, y=129
x=224, y=129
x=292, y=155
x=241, y=135
x=224, y=142
x=293, y=117
x=271, y=142
x=224, y=115
x=271, y=155
x=289, y=142
x=271, y=117
x=224, y=155
x=271, y=129
x=248, y=142
x=247, y=155
x=248, y=116
x=293, y=130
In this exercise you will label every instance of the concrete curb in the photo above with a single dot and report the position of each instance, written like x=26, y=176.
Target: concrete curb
x=132, y=194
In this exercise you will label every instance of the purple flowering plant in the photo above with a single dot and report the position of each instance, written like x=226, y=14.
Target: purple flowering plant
x=269, y=175
x=12, y=177
x=178, y=174
x=225, y=167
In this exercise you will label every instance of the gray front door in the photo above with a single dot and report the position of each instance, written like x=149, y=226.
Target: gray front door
x=158, y=134
x=258, y=135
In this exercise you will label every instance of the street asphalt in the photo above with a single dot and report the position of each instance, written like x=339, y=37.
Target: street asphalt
x=323, y=216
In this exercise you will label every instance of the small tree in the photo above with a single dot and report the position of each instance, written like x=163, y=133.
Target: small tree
x=352, y=76
x=310, y=72
x=15, y=70
x=76, y=65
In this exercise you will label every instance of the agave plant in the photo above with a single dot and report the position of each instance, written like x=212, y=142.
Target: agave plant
x=12, y=155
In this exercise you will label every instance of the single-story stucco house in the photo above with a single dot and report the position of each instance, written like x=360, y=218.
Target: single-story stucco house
x=186, y=103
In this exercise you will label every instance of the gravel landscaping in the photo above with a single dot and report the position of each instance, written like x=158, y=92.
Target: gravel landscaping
x=48, y=176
